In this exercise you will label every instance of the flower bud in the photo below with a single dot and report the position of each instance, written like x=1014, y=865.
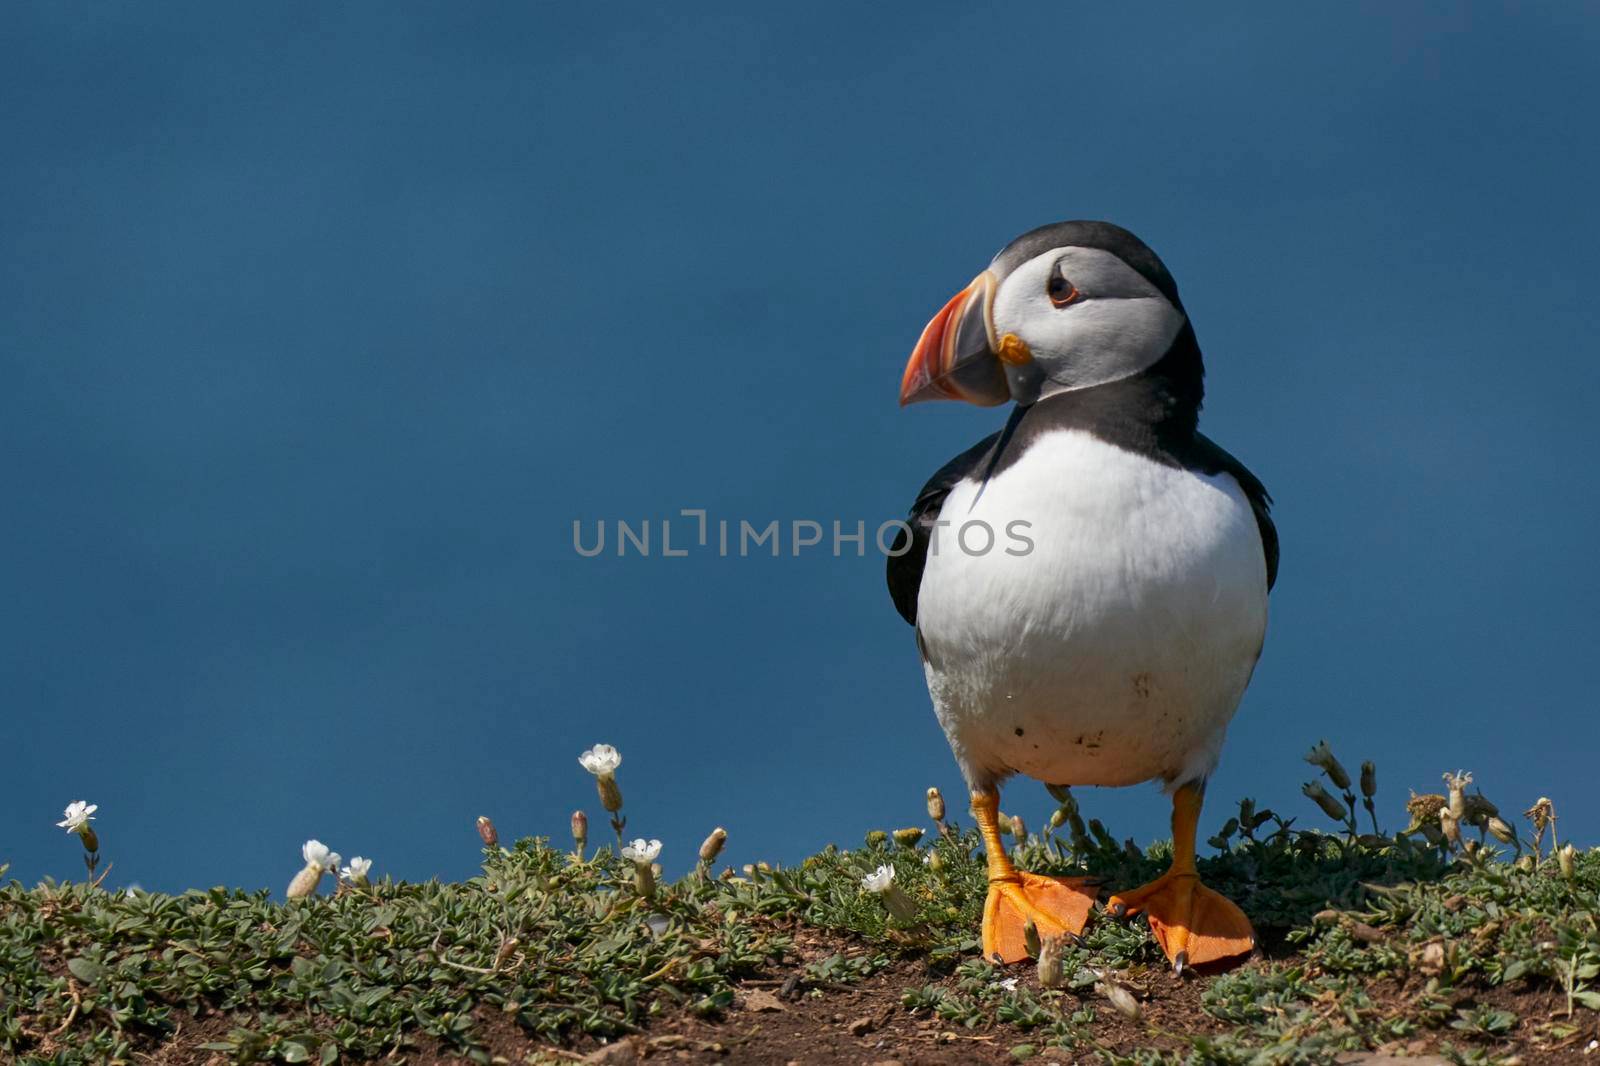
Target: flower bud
x=1247, y=812
x=1565, y=856
x=1369, y=779
x=1058, y=818
x=1501, y=831
x=908, y=838
x=1050, y=962
x=1019, y=829
x=935, y=862
x=487, y=833
x=1322, y=756
x=1121, y=999
x=877, y=838
x=305, y=882
x=1060, y=793
x=580, y=830
x=1319, y=795
x=935, y=805
x=1030, y=938
x=711, y=847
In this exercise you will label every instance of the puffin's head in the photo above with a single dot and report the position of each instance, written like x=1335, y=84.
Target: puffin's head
x=1062, y=307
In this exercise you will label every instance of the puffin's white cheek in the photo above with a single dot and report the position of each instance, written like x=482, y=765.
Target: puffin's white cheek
x=1099, y=341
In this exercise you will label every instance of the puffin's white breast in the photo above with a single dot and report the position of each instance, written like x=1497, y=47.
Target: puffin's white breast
x=1118, y=647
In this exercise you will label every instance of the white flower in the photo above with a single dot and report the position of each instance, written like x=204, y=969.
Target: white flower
x=600, y=760
x=1008, y=984
x=879, y=880
x=642, y=851
x=316, y=853
x=79, y=814
x=357, y=870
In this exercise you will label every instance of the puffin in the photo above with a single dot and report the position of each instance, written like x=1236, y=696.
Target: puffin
x=1088, y=585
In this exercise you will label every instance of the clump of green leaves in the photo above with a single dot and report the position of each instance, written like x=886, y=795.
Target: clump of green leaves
x=1370, y=940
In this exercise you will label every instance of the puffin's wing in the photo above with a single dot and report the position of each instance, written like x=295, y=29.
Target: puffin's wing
x=905, y=565
x=1212, y=459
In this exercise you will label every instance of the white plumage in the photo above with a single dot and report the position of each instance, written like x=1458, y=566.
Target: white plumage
x=1118, y=648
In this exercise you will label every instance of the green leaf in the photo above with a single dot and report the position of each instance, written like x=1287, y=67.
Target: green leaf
x=292, y=1051
x=86, y=970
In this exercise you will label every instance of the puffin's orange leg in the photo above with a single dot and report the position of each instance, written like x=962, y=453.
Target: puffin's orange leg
x=1194, y=925
x=1055, y=905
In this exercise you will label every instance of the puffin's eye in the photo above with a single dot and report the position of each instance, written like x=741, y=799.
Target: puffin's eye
x=1062, y=292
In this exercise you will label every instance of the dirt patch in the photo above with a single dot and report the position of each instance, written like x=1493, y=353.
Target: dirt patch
x=775, y=1020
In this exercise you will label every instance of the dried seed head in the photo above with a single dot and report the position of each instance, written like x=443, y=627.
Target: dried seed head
x=1019, y=828
x=1322, y=756
x=1456, y=785
x=1424, y=810
x=1450, y=825
x=935, y=805
x=487, y=833
x=1369, y=779
x=1319, y=795
x=1478, y=809
x=711, y=847
x=908, y=838
x=877, y=838
x=1050, y=962
x=1030, y=937
x=1541, y=814
x=580, y=829
x=1501, y=831
x=1247, y=812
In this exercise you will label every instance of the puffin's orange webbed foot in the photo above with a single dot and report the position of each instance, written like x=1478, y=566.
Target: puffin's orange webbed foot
x=1196, y=927
x=1057, y=906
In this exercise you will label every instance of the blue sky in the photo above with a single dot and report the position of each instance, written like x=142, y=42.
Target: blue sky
x=320, y=325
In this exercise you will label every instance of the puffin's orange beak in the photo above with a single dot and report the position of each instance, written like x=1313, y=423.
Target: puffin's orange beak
x=955, y=358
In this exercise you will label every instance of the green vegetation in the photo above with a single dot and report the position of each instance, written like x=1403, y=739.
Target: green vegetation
x=1370, y=941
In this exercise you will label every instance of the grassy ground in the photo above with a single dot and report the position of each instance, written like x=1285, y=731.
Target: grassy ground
x=1368, y=942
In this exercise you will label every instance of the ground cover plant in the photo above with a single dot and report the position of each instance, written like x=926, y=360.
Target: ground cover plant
x=1470, y=935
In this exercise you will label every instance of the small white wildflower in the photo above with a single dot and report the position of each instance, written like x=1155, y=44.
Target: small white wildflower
x=316, y=853
x=642, y=851
x=880, y=880
x=600, y=760
x=79, y=815
x=880, y=883
x=1008, y=984
x=357, y=871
